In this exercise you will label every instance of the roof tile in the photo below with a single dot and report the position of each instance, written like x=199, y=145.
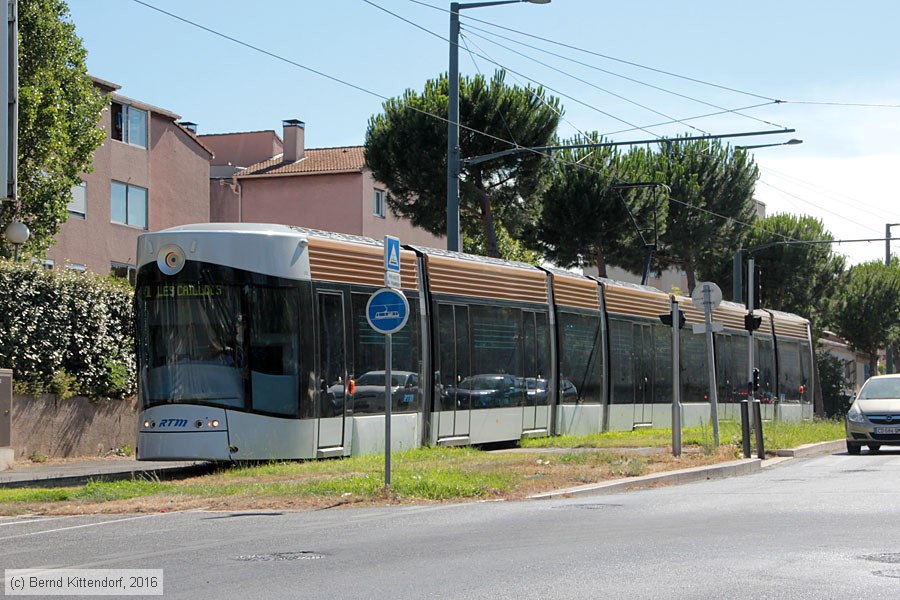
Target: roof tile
x=348, y=159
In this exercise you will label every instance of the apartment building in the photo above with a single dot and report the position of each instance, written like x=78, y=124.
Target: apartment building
x=150, y=173
x=263, y=178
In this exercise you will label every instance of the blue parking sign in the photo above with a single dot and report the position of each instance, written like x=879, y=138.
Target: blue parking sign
x=387, y=311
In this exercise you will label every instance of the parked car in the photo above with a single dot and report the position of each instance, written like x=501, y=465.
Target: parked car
x=874, y=417
x=369, y=394
x=490, y=391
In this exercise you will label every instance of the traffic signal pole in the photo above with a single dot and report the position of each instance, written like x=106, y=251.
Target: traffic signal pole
x=676, y=378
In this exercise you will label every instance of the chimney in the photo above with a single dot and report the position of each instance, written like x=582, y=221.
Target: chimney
x=293, y=139
x=192, y=127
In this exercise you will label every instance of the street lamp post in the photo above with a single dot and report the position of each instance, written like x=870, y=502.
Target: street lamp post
x=453, y=237
x=889, y=351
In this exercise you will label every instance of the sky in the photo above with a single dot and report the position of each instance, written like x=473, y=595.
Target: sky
x=827, y=69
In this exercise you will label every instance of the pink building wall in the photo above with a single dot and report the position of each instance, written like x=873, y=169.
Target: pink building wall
x=329, y=202
x=242, y=149
x=175, y=171
x=341, y=202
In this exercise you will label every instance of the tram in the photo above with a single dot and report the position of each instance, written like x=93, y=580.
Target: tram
x=253, y=344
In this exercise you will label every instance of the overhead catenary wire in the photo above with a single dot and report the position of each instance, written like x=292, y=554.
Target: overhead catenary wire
x=605, y=56
x=595, y=86
x=383, y=97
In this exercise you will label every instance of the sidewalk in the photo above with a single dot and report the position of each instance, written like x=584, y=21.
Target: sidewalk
x=77, y=472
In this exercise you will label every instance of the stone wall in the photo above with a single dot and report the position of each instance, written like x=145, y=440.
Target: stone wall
x=73, y=427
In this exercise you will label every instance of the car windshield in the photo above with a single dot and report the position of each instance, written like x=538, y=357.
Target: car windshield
x=881, y=389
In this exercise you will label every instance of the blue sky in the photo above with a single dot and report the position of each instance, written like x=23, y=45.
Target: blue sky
x=799, y=51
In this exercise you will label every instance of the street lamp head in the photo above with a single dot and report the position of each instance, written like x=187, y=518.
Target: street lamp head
x=538, y=1
x=793, y=142
x=17, y=233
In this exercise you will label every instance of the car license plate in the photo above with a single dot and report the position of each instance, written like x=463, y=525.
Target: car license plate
x=887, y=430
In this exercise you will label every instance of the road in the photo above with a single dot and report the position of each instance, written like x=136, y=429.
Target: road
x=813, y=528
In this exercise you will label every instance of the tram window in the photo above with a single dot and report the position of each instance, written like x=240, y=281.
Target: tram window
x=497, y=356
x=805, y=371
x=764, y=360
x=790, y=376
x=694, y=372
x=581, y=356
x=621, y=361
x=662, y=369
x=274, y=350
x=731, y=373
x=368, y=362
x=190, y=349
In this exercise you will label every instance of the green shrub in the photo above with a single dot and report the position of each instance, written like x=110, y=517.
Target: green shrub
x=66, y=333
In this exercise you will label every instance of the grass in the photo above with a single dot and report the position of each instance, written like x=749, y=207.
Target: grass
x=775, y=435
x=419, y=475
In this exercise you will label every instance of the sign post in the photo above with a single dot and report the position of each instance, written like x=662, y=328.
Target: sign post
x=387, y=312
x=710, y=296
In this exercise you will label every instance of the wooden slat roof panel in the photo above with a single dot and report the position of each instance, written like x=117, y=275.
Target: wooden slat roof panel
x=447, y=275
x=575, y=291
x=347, y=262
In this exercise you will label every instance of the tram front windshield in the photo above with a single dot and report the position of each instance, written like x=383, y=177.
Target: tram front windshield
x=190, y=344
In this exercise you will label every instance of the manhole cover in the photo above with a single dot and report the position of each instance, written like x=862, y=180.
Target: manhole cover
x=860, y=471
x=894, y=574
x=590, y=506
x=891, y=558
x=281, y=556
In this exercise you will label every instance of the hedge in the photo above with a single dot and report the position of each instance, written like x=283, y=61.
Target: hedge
x=65, y=332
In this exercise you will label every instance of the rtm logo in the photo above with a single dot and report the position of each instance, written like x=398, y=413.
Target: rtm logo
x=173, y=423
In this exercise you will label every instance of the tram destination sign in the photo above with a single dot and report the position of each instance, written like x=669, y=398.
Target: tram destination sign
x=387, y=311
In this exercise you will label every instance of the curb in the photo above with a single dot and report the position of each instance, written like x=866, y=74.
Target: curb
x=720, y=471
x=735, y=468
x=814, y=449
x=62, y=478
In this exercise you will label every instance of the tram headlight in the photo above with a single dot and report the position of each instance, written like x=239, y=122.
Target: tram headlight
x=149, y=424
x=214, y=423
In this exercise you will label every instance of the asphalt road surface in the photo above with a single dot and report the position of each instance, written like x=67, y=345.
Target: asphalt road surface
x=826, y=527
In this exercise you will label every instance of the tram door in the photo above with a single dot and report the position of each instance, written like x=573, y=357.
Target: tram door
x=455, y=400
x=332, y=396
x=642, y=363
x=536, y=415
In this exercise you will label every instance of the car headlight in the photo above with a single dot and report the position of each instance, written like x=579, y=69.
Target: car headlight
x=855, y=415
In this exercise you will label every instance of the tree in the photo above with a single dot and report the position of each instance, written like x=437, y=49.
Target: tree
x=59, y=109
x=406, y=148
x=866, y=308
x=710, y=204
x=795, y=277
x=586, y=220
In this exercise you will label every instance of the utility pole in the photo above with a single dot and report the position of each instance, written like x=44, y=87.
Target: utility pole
x=9, y=90
x=889, y=351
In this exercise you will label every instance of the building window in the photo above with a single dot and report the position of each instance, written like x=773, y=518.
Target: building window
x=128, y=204
x=77, y=267
x=380, y=199
x=78, y=204
x=46, y=263
x=129, y=124
x=123, y=271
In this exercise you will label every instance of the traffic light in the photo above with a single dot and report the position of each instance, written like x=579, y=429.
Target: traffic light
x=752, y=323
x=755, y=380
x=666, y=319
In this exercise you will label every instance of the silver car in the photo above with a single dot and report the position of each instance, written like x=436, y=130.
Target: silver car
x=874, y=417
